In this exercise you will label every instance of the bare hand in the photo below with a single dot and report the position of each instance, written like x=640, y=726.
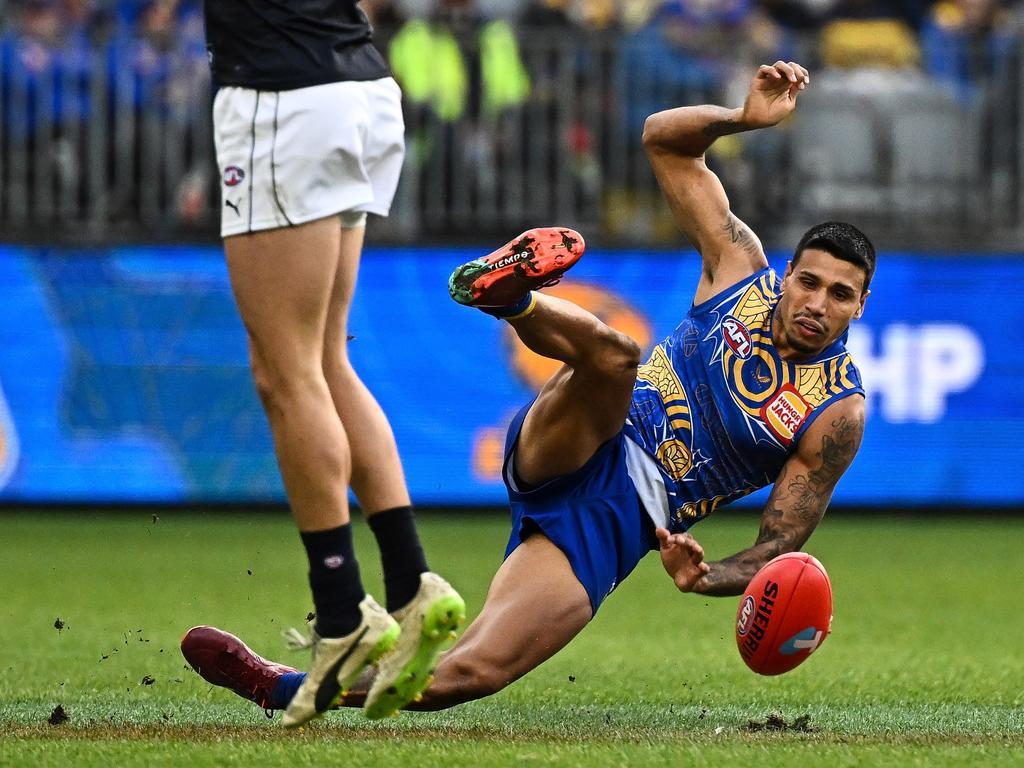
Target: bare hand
x=682, y=557
x=773, y=93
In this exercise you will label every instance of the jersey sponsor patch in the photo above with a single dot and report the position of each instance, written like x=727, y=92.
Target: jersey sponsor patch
x=233, y=176
x=785, y=412
x=737, y=337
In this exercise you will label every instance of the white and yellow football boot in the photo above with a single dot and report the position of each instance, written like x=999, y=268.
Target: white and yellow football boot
x=338, y=662
x=428, y=622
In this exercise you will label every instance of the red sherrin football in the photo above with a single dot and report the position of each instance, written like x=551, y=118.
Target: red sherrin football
x=785, y=614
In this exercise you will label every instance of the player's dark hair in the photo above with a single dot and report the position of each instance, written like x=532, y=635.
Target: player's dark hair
x=844, y=241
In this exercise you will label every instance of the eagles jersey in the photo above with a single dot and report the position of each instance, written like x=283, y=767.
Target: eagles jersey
x=719, y=410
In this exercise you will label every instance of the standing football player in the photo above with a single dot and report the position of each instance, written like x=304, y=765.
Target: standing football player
x=614, y=458
x=310, y=138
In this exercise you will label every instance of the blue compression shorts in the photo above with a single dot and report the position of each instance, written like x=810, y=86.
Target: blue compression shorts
x=593, y=515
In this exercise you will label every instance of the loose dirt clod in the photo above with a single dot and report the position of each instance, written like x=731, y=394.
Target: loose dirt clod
x=801, y=724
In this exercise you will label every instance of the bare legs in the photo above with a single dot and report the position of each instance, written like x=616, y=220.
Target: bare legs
x=377, y=477
x=535, y=604
x=534, y=607
x=294, y=288
x=283, y=280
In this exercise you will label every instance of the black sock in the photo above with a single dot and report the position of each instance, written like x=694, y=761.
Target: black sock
x=334, y=578
x=401, y=555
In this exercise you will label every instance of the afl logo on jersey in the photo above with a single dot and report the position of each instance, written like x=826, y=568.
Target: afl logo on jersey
x=233, y=176
x=737, y=337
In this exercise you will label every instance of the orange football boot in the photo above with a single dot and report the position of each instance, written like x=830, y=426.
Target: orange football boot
x=536, y=259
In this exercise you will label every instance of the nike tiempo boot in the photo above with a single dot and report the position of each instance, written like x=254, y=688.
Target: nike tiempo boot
x=338, y=662
x=536, y=259
x=428, y=622
x=222, y=659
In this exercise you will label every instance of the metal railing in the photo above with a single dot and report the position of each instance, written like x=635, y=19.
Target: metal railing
x=111, y=148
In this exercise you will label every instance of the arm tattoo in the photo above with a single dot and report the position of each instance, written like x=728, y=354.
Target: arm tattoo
x=740, y=234
x=794, y=508
x=723, y=128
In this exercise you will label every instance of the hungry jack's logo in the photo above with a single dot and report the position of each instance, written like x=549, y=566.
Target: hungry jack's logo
x=785, y=413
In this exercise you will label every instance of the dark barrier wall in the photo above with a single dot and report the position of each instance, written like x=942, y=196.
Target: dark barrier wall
x=123, y=374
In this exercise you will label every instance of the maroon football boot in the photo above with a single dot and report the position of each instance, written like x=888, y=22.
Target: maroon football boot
x=222, y=659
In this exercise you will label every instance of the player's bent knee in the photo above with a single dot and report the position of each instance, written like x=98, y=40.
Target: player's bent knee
x=617, y=353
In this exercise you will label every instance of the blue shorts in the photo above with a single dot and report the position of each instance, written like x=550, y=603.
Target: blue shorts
x=593, y=515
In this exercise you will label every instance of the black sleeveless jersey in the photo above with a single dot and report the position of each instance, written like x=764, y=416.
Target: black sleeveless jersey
x=278, y=45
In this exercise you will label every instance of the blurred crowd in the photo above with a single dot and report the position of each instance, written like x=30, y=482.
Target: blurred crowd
x=697, y=42
x=64, y=61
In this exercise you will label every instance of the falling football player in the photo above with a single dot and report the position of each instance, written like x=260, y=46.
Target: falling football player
x=615, y=458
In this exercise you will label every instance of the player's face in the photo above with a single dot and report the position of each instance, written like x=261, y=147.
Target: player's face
x=820, y=296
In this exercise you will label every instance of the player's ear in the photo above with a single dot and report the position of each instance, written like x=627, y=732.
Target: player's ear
x=860, y=308
x=786, y=275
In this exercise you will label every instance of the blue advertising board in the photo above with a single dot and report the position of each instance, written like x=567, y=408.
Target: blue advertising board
x=124, y=374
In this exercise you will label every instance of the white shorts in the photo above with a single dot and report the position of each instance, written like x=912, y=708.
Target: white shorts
x=288, y=157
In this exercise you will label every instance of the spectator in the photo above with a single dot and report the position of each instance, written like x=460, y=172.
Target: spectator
x=156, y=65
x=687, y=52
x=799, y=15
x=45, y=64
x=965, y=43
x=89, y=18
x=504, y=81
x=869, y=34
x=157, y=60
x=582, y=14
x=428, y=62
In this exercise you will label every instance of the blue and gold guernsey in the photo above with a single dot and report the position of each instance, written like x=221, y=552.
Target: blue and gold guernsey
x=717, y=408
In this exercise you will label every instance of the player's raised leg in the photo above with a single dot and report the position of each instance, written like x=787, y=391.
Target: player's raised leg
x=426, y=607
x=282, y=280
x=586, y=402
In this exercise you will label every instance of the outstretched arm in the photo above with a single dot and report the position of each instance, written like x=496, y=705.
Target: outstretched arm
x=795, y=507
x=676, y=140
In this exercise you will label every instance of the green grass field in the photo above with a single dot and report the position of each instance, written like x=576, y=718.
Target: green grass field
x=924, y=666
